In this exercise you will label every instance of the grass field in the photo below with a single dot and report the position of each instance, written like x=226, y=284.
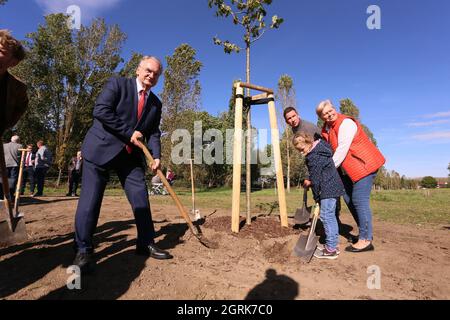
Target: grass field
x=400, y=206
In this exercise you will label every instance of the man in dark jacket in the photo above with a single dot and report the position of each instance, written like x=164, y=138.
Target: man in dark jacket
x=75, y=169
x=125, y=112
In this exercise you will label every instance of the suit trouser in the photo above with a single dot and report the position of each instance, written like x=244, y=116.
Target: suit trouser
x=28, y=173
x=13, y=175
x=74, y=180
x=131, y=173
x=39, y=174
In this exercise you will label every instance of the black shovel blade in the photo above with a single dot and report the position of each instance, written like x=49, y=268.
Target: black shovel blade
x=8, y=237
x=304, y=248
x=302, y=215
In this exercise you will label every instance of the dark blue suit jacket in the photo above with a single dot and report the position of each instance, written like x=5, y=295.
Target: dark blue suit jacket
x=115, y=120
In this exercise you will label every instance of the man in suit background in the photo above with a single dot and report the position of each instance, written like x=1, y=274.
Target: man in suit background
x=75, y=170
x=42, y=163
x=28, y=170
x=12, y=160
x=13, y=92
x=125, y=111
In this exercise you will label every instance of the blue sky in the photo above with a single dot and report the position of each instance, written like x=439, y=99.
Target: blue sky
x=398, y=76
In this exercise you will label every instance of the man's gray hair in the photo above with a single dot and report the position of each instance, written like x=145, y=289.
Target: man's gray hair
x=15, y=139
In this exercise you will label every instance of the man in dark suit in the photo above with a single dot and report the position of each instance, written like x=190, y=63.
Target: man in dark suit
x=125, y=111
x=75, y=170
x=28, y=170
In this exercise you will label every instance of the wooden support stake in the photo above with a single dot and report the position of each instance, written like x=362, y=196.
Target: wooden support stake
x=237, y=159
x=259, y=96
x=278, y=164
x=254, y=87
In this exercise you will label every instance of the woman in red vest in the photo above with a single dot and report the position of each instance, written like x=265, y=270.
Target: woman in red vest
x=358, y=161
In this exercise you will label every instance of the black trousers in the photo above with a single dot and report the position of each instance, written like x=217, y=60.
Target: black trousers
x=131, y=173
x=28, y=174
x=74, y=180
x=39, y=174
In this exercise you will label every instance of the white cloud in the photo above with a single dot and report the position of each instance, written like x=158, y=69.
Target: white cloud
x=438, y=115
x=427, y=123
x=438, y=136
x=89, y=8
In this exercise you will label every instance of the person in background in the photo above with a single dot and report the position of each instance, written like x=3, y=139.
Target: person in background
x=43, y=161
x=12, y=160
x=28, y=170
x=75, y=169
x=170, y=176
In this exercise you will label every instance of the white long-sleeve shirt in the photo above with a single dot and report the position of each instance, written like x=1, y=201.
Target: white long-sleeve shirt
x=346, y=134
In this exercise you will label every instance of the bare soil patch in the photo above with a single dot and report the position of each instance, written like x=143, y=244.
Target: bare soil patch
x=257, y=263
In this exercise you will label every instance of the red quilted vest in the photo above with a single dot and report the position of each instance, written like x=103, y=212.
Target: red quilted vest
x=363, y=157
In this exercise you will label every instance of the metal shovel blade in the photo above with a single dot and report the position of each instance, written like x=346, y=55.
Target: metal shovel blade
x=10, y=237
x=302, y=215
x=305, y=246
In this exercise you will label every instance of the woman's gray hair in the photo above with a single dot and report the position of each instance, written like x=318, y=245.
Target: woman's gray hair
x=322, y=105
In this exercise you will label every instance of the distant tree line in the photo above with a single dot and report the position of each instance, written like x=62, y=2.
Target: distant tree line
x=66, y=69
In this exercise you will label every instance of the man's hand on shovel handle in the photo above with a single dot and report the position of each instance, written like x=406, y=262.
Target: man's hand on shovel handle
x=135, y=137
x=138, y=139
x=156, y=165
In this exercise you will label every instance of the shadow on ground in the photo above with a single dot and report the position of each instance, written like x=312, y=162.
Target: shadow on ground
x=32, y=261
x=274, y=287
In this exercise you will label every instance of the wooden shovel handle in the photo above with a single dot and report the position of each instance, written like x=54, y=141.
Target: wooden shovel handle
x=5, y=183
x=172, y=193
x=19, y=182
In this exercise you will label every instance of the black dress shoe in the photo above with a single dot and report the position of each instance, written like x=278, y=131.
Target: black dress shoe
x=369, y=247
x=153, y=251
x=85, y=261
x=352, y=239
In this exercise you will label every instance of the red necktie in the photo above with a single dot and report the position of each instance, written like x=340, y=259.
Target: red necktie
x=28, y=163
x=141, y=104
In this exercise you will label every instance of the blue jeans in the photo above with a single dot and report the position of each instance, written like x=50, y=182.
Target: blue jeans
x=328, y=218
x=357, y=198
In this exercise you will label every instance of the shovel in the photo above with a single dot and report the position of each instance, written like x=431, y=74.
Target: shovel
x=197, y=233
x=18, y=214
x=12, y=227
x=306, y=245
x=302, y=214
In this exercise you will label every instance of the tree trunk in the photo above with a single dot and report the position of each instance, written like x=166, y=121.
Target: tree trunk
x=58, y=181
x=288, y=182
x=249, y=145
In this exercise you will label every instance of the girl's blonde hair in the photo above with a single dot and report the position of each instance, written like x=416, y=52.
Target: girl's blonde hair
x=302, y=139
x=322, y=105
